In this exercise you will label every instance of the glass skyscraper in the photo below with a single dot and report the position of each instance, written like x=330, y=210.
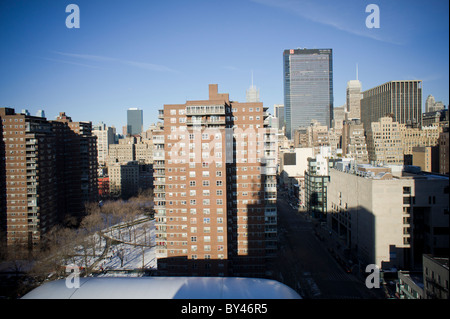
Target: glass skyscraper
x=308, y=88
x=134, y=121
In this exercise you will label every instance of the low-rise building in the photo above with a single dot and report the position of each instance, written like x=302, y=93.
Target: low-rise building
x=409, y=285
x=435, y=276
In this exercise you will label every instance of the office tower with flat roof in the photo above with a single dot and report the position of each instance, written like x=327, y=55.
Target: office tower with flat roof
x=400, y=99
x=215, y=188
x=308, y=88
x=278, y=109
x=135, y=121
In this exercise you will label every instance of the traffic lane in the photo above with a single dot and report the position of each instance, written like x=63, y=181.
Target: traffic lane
x=312, y=260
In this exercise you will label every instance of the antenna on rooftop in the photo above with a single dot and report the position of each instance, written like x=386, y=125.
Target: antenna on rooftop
x=356, y=71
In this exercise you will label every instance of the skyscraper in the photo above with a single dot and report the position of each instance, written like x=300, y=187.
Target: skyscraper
x=252, y=93
x=429, y=104
x=354, y=100
x=279, y=114
x=308, y=87
x=400, y=99
x=135, y=122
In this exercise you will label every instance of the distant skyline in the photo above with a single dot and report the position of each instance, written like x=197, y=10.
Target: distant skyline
x=144, y=54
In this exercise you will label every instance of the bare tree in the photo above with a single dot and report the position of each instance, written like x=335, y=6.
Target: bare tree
x=92, y=225
x=121, y=255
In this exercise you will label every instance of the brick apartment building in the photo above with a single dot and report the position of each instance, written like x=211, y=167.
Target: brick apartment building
x=215, y=188
x=47, y=171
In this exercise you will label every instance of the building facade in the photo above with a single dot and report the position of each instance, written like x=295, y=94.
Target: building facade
x=390, y=142
x=435, y=277
x=316, y=180
x=400, y=99
x=432, y=106
x=135, y=121
x=76, y=165
x=354, y=96
x=50, y=171
x=444, y=152
x=354, y=141
x=278, y=109
x=123, y=179
x=215, y=188
x=105, y=137
x=308, y=88
x=388, y=217
x=28, y=201
x=426, y=157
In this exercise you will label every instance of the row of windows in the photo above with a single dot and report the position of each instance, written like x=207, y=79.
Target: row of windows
x=207, y=183
x=206, y=192
x=15, y=120
x=194, y=202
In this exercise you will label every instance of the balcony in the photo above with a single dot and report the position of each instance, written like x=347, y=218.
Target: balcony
x=269, y=171
x=158, y=165
x=160, y=181
x=205, y=110
x=202, y=121
x=158, y=156
x=270, y=189
x=161, y=114
x=159, y=173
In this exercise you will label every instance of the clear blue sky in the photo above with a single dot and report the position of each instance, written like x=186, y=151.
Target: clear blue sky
x=149, y=53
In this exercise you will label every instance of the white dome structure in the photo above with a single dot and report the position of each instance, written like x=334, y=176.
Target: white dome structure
x=165, y=288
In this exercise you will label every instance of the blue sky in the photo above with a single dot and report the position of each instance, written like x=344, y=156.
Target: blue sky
x=149, y=53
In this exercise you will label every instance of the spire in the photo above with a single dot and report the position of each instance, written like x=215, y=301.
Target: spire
x=356, y=71
x=252, y=94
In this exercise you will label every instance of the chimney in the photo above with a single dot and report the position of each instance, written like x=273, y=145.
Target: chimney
x=213, y=91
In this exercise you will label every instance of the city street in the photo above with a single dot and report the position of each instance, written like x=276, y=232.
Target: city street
x=305, y=263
